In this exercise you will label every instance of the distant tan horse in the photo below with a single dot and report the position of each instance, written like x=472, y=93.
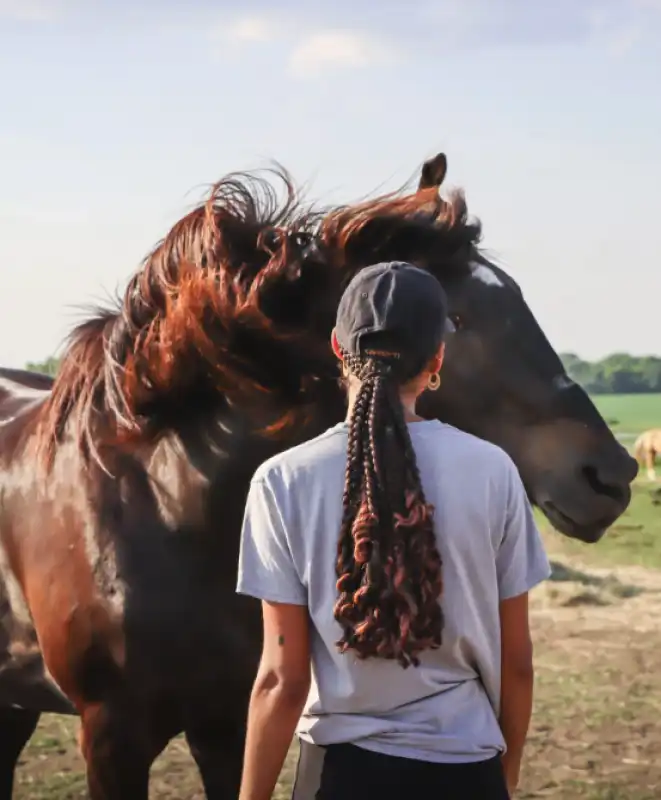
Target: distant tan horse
x=646, y=448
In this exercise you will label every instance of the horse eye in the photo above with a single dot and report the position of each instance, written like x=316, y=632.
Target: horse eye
x=272, y=239
x=458, y=321
x=301, y=240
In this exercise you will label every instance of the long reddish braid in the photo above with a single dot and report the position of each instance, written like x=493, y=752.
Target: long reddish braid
x=388, y=566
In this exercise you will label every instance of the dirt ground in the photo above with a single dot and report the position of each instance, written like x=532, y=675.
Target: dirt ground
x=596, y=732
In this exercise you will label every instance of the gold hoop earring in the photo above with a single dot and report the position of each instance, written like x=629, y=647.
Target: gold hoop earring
x=434, y=382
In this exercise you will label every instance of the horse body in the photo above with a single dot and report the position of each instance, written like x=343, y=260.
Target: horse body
x=26, y=686
x=646, y=448
x=133, y=597
x=23, y=678
x=122, y=489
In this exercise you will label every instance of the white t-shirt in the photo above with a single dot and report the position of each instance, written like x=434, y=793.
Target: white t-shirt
x=445, y=710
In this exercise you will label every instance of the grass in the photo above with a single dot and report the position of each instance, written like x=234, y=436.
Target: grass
x=597, y=626
x=635, y=539
x=630, y=414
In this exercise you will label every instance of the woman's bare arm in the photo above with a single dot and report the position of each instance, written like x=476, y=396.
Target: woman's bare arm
x=278, y=696
x=516, y=683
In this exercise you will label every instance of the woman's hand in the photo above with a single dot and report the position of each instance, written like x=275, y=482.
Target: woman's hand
x=512, y=771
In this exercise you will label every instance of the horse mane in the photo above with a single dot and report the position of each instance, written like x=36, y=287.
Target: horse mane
x=188, y=322
x=236, y=305
x=420, y=228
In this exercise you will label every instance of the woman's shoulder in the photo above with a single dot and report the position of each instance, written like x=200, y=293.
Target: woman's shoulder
x=462, y=442
x=326, y=448
x=462, y=452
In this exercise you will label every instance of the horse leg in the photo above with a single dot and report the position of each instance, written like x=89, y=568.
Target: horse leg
x=16, y=727
x=118, y=752
x=217, y=747
x=650, y=458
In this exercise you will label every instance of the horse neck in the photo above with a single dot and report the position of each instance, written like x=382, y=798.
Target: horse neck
x=199, y=472
x=233, y=439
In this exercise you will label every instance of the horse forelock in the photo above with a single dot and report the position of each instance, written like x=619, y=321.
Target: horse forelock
x=421, y=228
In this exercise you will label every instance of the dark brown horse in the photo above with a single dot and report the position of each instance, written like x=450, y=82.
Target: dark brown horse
x=122, y=483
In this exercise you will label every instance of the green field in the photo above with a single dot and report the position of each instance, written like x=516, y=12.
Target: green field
x=634, y=540
x=630, y=414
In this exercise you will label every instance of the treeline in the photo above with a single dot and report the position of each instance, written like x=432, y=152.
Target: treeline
x=48, y=367
x=619, y=373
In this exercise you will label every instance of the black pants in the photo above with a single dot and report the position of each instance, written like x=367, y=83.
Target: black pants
x=347, y=772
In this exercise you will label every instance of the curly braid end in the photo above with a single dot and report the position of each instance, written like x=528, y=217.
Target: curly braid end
x=388, y=565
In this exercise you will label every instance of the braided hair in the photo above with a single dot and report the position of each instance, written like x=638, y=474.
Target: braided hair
x=388, y=564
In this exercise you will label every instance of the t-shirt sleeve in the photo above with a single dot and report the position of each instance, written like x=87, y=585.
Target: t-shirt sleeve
x=267, y=569
x=521, y=561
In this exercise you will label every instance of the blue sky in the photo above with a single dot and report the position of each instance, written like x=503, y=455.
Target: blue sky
x=116, y=115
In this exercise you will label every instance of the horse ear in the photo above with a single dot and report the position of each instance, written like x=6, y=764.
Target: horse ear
x=433, y=172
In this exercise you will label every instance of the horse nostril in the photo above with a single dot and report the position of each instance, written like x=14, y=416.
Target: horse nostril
x=591, y=475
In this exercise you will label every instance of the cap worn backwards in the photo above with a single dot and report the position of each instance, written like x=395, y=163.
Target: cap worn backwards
x=393, y=309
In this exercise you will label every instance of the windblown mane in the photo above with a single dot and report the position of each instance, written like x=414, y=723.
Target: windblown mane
x=236, y=305
x=419, y=228
x=192, y=320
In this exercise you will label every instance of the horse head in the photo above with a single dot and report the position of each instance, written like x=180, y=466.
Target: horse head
x=502, y=380
x=236, y=306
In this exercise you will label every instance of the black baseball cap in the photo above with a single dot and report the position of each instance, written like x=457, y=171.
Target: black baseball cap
x=393, y=308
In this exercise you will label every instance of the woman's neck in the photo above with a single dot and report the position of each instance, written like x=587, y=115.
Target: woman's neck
x=407, y=399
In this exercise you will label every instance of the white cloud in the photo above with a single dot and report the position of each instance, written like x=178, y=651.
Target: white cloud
x=307, y=51
x=250, y=29
x=233, y=34
x=617, y=33
x=335, y=49
x=30, y=10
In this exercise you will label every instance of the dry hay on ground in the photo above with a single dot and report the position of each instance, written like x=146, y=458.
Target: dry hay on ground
x=595, y=731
